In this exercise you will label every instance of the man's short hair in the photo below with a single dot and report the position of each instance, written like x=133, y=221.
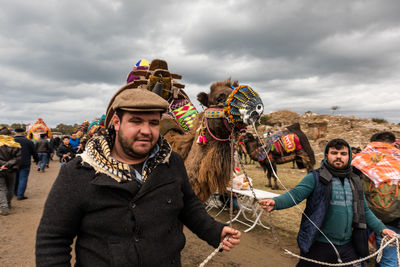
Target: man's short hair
x=120, y=113
x=387, y=137
x=65, y=137
x=337, y=143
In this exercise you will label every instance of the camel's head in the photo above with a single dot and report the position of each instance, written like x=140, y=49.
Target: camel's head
x=219, y=92
x=241, y=104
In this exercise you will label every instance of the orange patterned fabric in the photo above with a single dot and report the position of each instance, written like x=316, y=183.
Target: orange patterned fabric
x=380, y=162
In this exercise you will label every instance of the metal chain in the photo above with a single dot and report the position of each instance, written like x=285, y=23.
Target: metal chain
x=232, y=143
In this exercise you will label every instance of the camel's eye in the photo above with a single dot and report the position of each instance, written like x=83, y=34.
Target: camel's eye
x=221, y=98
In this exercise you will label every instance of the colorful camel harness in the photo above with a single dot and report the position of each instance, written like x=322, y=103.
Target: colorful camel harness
x=243, y=106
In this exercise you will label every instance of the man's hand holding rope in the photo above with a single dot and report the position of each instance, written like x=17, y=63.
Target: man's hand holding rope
x=389, y=233
x=267, y=204
x=230, y=237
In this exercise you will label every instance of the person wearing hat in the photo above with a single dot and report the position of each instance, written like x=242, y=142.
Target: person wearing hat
x=10, y=156
x=27, y=151
x=126, y=196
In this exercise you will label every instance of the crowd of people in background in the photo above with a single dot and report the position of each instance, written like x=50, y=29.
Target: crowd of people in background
x=17, y=153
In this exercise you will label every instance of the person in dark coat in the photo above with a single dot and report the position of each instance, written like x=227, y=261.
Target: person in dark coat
x=10, y=156
x=65, y=151
x=28, y=151
x=125, y=197
x=42, y=147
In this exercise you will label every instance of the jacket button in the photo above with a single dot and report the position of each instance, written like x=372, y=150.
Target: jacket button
x=133, y=205
x=169, y=201
x=137, y=239
x=173, y=261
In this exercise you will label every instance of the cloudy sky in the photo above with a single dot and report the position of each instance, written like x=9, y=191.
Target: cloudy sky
x=62, y=60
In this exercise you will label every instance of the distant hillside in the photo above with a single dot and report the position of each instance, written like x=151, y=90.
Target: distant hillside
x=322, y=128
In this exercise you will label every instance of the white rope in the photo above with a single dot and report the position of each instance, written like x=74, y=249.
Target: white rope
x=384, y=244
x=211, y=255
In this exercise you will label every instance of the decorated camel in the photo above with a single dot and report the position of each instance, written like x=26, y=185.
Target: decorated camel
x=202, y=139
x=38, y=128
x=282, y=147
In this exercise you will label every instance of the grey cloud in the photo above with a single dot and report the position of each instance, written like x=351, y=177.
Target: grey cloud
x=301, y=55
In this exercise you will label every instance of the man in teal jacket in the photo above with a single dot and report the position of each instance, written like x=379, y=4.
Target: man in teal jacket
x=336, y=204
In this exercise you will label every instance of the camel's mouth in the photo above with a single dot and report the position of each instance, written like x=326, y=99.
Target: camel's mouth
x=251, y=114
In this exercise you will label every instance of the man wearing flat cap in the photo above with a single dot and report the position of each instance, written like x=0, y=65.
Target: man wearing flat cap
x=126, y=196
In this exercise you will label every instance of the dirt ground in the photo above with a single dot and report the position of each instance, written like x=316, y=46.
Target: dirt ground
x=18, y=233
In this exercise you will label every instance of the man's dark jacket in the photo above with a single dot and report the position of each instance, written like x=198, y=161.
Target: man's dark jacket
x=63, y=149
x=10, y=158
x=42, y=146
x=121, y=224
x=27, y=151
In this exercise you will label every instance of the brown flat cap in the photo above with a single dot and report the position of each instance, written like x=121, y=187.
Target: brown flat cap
x=135, y=100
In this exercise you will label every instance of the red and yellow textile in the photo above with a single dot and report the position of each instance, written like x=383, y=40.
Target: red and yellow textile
x=287, y=143
x=380, y=162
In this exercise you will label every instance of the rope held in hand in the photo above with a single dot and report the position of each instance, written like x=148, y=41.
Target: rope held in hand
x=232, y=138
x=384, y=244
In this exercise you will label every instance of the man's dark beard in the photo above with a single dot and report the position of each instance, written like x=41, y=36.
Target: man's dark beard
x=334, y=167
x=341, y=173
x=128, y=149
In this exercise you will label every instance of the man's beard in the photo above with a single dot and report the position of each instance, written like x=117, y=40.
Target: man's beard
x=126, y=145
x=337, y=168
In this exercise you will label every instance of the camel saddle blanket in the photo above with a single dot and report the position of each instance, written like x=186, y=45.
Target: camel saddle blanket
x=287, y=143
x=285, y=159
x=260, y=153
x=380, y=162
x=185, y=113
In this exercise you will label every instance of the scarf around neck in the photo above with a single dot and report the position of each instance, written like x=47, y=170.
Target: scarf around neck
x=98, y=155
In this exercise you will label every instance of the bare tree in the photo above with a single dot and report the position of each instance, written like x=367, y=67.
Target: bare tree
x=334, y=108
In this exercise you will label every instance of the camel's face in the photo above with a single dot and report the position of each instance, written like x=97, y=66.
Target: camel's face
x=219, y=96
x=219, y=92
x=250, y=141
